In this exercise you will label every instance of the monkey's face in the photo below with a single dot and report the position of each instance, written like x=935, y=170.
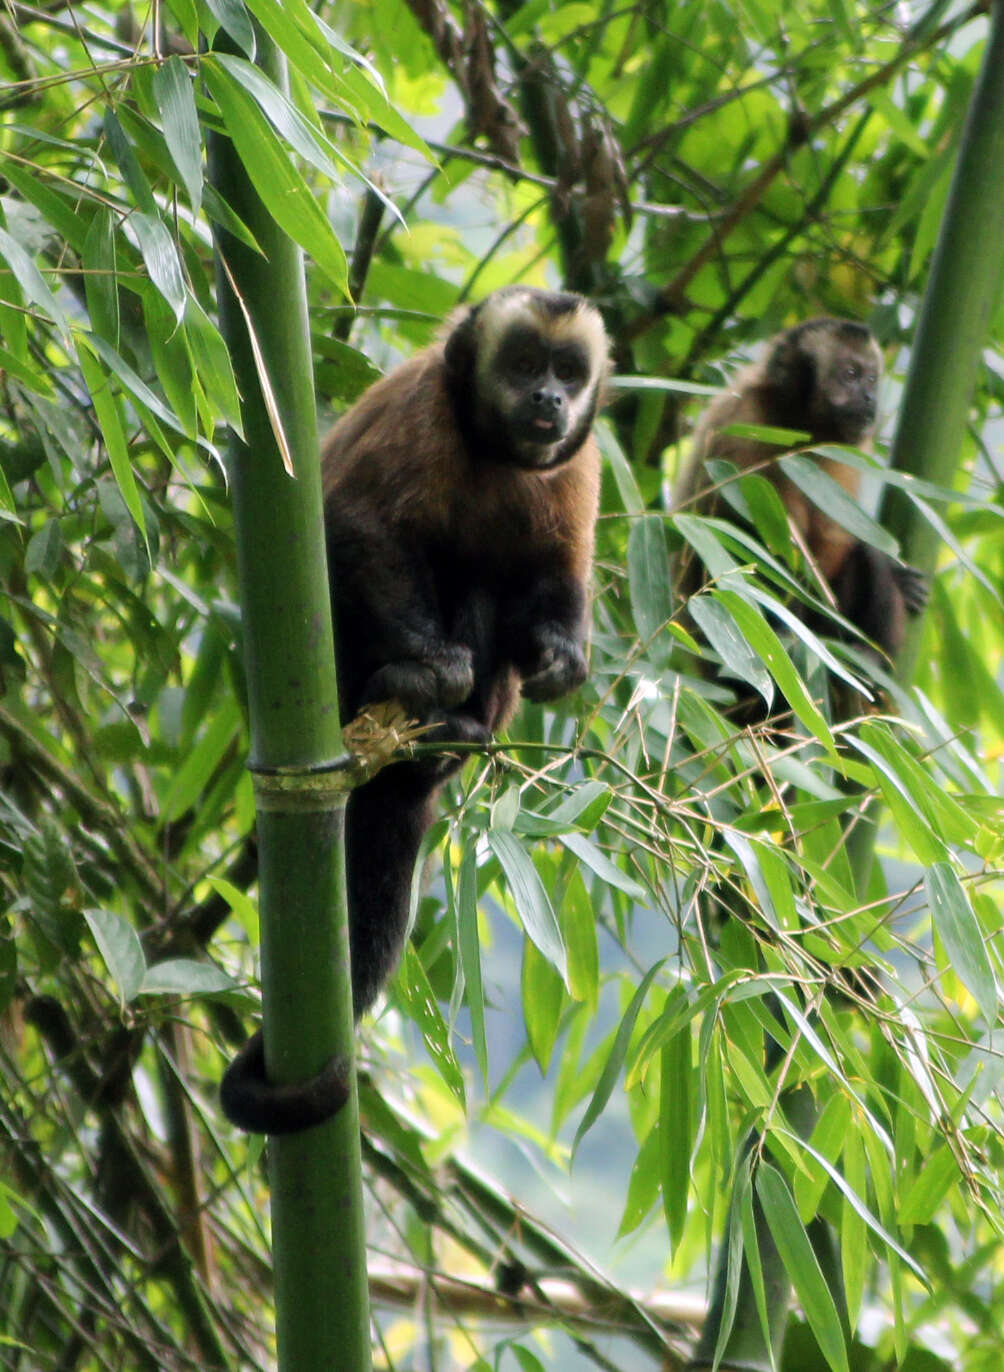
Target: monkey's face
x=526, y=369
x=845, y=398
x=539, y=385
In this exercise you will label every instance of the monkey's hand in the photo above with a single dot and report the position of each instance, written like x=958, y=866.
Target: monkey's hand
x=914, y=587
x=440, y=678
x=555, y=664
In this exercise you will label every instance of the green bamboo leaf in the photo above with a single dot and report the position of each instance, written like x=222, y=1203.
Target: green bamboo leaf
x=744, y=1242
x=292, y=29
x=662, y=1029
x=187, y=15
x=372, y=104
x=101, y=285
x=41, y=557
x=911, y=821
x=801, y=1265
x=578, y=928
x=469, y=943
x=119, y=945
x=643, y=1183
x=110, y=422
x=172, y=87
x=615, y=1060
x=676, y=1079
x=137, y=388
x=32, y=282
x=528, y=1362
x=764, y=641
x=899, y=121
x=128, y=163
x=414, y=989
x=945, y=815
x=758, y=501
x=282, y=188
x=855, y=1254
x=632, y=500
x=828, y=495
x=191, y=778
x=70, y=220
x=724, y=636
x=854, y=1199
x=649, y=576
x=769, y=433
x=532, y=903
x=581, y=808
x=828, y=1137
x=919, y=1202
x=172, y=360
x=28, y=375
x=185, y=977
x=960, y=932
x=584, y=805
x=768, y=874
x=542, y=993
x=624, y=382
x=161, y=258
x=234, y=20
x=241, y=904
x=285, y=118
x=597, y=861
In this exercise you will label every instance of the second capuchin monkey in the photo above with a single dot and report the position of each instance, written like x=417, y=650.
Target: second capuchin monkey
x=820, y=378
x=461, y=494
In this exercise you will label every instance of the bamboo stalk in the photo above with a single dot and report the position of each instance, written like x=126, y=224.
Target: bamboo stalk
x=318, y=1233
x=954, y=320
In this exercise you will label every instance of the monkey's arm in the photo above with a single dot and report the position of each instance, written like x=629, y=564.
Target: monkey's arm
x=544, y=633
x=392, y=643
x=877, y=594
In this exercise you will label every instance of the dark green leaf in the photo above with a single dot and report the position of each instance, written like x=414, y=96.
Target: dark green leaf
x=801, y=1265
x=615, y=1061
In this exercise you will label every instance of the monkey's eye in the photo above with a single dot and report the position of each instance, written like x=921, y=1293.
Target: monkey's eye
x=852, y=373
x=570, y=367
x=525, y=364
x=568, y=371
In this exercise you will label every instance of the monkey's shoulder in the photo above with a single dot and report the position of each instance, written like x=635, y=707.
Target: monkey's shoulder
x=403, y=420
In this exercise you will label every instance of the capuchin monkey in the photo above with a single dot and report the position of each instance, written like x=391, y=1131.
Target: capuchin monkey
x=461, y=494
x=821, y=378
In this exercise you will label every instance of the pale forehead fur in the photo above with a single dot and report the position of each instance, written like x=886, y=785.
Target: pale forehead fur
x=830, y=340
x=504, y=311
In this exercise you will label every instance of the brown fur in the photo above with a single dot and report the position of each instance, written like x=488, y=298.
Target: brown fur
x=460, y=501
x=801, y=384
x=399, y=450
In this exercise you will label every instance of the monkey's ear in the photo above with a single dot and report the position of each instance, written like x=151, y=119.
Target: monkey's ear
x=791, y=366
x=461, y=344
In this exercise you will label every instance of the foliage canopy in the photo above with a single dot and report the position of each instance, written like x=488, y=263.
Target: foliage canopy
x=708, y=173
